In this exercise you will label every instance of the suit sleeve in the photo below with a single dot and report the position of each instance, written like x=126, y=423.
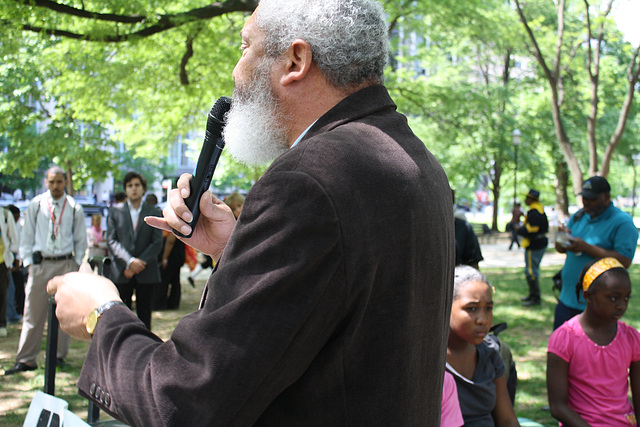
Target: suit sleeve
x=28, y=235
x=154, y=247
x=113, y=240
x=277, y=298
x=79, y=234
x=12, y=232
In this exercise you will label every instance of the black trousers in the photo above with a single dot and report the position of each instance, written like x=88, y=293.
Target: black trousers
x=144, y=298
x=19, y=281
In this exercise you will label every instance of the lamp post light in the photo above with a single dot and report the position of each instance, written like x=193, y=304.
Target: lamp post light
x=636, y=161
x=515, y=140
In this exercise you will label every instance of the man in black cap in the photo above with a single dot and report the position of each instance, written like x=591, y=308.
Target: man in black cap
x=535, y=243
x=598, y=230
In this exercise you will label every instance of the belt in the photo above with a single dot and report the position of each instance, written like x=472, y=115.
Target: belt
x=57, y=258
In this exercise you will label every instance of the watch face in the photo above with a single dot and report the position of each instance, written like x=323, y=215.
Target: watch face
x=92, y=321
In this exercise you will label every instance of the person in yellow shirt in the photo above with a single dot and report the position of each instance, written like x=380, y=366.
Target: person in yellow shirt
x=535, y=242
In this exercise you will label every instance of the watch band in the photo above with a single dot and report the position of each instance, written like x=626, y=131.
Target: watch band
x=94, y=316
x=106, y=306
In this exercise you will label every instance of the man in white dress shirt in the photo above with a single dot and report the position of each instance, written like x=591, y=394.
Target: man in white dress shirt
x=52, y=243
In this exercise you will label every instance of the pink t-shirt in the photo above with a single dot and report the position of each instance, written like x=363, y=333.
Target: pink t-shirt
x=451, y=415
x=598, y=375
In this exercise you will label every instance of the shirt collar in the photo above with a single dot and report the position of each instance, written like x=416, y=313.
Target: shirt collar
x=54, y=201
x=606, y=213
x=132, y=209
x=303, y=134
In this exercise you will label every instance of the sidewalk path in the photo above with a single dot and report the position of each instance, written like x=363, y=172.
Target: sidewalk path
x=498, y=255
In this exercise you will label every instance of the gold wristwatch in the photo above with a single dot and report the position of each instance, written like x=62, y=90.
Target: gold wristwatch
x=94, y=316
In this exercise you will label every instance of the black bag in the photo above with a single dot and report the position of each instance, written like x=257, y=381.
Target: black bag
x=557, y=284
x=511, y=374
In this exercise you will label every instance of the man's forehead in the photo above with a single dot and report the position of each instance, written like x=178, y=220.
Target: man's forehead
x=250, y=28
x=54, y=176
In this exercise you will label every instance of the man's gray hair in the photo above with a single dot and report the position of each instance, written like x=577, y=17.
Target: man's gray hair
x=348, y=38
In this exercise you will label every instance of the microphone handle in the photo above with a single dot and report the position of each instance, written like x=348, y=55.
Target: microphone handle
x=209, y=155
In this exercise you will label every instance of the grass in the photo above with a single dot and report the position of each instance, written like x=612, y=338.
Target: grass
x=529, y=331
x=17, y=391
x=527, y=335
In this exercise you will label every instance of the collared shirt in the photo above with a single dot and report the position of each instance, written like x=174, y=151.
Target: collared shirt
x=8, y=238
x=611, y=230
x=303, y=134
x=135, y=217
x=71, y=235
x=135, y=214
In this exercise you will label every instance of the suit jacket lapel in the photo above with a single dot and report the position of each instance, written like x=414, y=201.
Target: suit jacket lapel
x=127, y=219
x=141, y=215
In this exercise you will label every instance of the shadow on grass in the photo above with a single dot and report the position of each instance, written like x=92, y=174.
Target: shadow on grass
x=529, y=329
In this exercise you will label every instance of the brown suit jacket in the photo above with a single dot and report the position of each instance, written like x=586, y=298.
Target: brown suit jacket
x=331, y=302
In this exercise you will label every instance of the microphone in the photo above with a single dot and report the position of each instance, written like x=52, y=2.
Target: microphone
x=209, y=155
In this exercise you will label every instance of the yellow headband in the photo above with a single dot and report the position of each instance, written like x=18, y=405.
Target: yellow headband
x=597, y=269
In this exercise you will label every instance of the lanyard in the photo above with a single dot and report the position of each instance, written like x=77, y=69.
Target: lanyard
x=56, y=228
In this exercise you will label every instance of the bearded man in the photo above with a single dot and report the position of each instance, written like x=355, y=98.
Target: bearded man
x=331, y=296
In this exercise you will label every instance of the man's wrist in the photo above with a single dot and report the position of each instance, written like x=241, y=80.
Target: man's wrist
x=96, y=314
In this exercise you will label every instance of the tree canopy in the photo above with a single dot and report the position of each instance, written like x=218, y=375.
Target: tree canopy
x=81, y=79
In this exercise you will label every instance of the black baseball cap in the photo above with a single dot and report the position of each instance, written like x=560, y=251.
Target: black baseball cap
x=595, y=186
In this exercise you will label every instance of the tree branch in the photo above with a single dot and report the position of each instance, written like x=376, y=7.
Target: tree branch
x=633, y=75
x=81, y=13
x=555, y=81
x=536, y=49
x=162, y=22
x=593, y=68
x=184, y=77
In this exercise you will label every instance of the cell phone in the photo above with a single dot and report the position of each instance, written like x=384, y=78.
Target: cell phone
x=564, y=239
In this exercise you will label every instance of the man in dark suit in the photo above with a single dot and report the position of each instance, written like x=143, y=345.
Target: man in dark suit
x=135, y=247
x=331, y=297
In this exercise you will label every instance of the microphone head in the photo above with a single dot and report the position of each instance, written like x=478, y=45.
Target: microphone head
x=220, y=108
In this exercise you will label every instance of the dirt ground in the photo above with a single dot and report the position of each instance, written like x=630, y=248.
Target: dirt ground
x=17, y=391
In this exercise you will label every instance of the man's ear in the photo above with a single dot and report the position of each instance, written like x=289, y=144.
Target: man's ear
x=297, y=62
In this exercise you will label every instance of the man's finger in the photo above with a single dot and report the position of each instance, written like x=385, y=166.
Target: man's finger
x=157, y=222
x=85, y=268
x=52, y=285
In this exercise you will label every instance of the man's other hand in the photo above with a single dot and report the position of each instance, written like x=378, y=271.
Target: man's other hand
x=77, y=295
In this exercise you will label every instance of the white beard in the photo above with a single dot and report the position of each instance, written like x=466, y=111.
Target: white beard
x=254, y=132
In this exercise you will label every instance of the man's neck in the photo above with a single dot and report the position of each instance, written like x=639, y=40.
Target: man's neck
x=135, y=204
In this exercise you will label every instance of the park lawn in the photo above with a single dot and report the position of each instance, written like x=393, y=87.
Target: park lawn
x=529, y=330
x=527, y=335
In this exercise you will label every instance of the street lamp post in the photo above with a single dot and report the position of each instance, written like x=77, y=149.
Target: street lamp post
x=515, y=140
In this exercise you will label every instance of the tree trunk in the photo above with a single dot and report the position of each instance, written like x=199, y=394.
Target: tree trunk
x=560, y=186
x=497, y=172
x=69, y=181
x=633, y=75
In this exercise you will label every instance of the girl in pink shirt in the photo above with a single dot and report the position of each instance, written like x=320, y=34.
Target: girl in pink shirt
x=451, y=416
x=592, y=357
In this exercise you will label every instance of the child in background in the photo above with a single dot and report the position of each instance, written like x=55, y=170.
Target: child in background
x=477, y=368
x=592, y=356
x=95, y=237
